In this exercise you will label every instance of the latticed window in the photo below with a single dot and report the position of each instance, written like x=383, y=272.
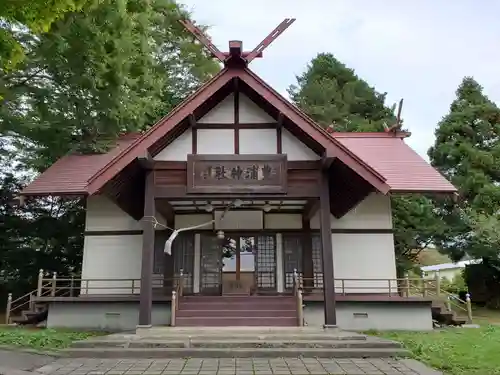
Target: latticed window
x=183, y=252
x=317, y=260
x=266, y=262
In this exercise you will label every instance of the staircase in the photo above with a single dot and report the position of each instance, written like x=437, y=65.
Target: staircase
x=442, y=316
x=236, y=342
x=236, y=310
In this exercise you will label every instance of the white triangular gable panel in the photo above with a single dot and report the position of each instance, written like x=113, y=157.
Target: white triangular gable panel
x=178, y=149
x=251, y=113
x=222, y=113
x=295, y=149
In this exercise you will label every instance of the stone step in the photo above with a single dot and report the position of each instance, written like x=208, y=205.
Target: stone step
x=235, y=313
x=236, y=343
x=249, y=321
x=258, y=305
x=245, y=297
x=233, y=352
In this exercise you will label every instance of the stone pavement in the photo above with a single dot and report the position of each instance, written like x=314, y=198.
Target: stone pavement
x=231, y=366
x=14, y=359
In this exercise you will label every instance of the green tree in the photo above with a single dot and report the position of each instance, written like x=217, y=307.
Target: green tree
x=34, y=15
x=331, y=93
x=467, y=151
x=115, y=67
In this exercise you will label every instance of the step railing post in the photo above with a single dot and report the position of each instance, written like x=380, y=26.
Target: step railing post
x=181, y=282
x=31, y=302
x=469, y=307
x=300, y=308
x=72, y=286
x=438, y=284
x=173, y=308
x=8, y=308
x=407, y=286
x=40, y=283
x=54, y=282
x=295, y=281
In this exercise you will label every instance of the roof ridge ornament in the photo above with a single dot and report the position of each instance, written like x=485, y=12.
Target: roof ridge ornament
x=236, y=56
x=396, y=127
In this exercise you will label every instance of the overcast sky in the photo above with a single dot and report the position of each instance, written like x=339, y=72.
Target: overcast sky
x=416, y=50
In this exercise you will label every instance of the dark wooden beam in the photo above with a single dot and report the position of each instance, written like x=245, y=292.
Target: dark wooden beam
x=279, y=134
x=270, y=38
x=146, y=161
x=194, y=134
x=146, y=296
x=327, y=252
x=236, y=96
x=311, y=208
x=166, y=210
x=307, y=255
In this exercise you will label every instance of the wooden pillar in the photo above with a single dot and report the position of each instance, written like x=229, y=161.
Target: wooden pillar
x=146, y=296
x=307, y=260
x=327, y=252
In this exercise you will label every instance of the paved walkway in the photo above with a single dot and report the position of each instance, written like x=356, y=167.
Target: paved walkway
x=18, y=360
x=231, y=366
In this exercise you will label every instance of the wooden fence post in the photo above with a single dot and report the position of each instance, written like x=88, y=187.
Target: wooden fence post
x=54, y=281
x=8, y=308
x=469, y=307
x=40, y=283
x=438, y=283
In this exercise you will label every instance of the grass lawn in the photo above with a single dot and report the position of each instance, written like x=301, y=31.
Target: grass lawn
x=36, y=338
x=455, y=351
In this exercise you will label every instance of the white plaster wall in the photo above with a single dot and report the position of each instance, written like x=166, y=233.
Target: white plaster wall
x=103, y=215
x=186, y=221
x=364, y=255
x=249, y=112
x=258, y=141
x=374, y=212
x=295, y=149
x=283, y=221
x=215, y=141
x=222, y=113
x=178, y=149
x=245, y=220
x=110, y=257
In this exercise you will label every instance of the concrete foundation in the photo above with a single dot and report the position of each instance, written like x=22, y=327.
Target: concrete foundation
x=108, y=316
x=383, y=316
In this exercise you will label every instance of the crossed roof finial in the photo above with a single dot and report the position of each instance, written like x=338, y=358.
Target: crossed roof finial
x=236, y=54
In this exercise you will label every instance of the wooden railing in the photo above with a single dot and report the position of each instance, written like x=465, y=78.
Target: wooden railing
x=76, y=287
x=176, y=294
x=404, y=287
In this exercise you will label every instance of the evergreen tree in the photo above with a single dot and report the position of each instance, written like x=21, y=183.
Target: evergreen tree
x=467, y=152
x=331, y=93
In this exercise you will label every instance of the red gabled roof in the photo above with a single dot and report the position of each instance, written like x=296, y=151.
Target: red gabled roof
x=403, y=169
x=71, y=174
x=166, y=124
x=382, y=159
